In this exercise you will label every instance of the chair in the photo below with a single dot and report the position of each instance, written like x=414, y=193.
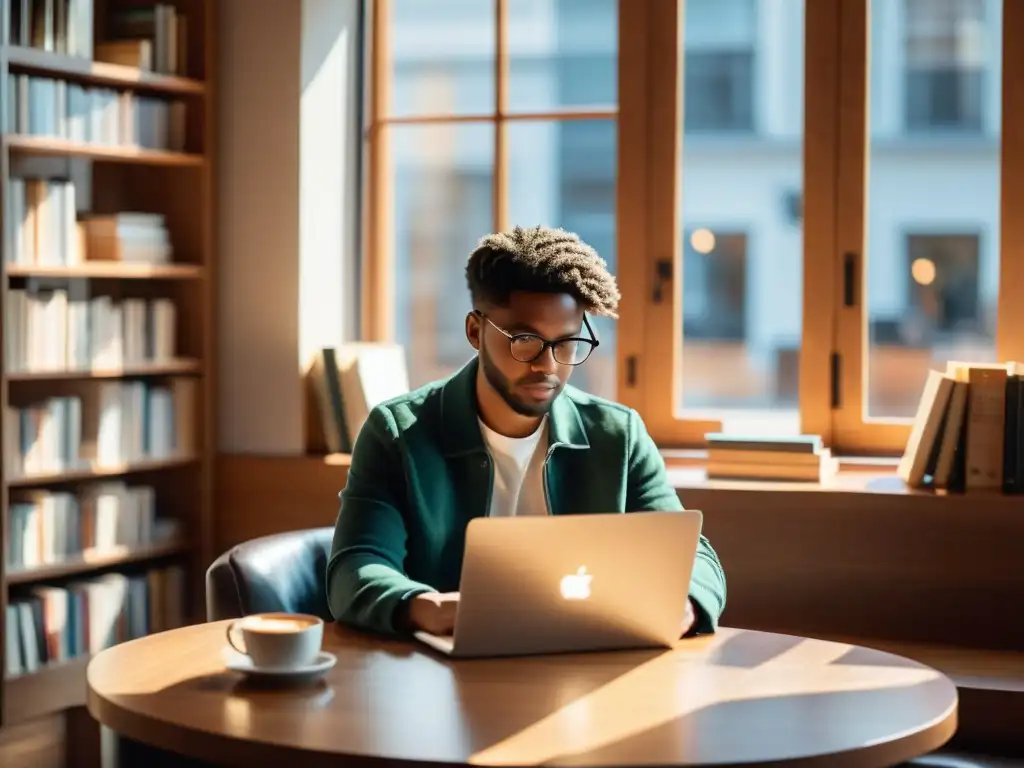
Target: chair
x=284, y=572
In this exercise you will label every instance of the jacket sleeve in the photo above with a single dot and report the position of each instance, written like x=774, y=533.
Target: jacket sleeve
x=648, y=490
x=365, y=577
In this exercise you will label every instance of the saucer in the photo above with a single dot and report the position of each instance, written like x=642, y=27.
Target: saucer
x=238, y=662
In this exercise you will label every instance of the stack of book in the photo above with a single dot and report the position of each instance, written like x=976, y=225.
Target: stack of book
x=58, y=109
x=67, y=329
x=51, y=527
x=53, y=624
x=343, y=384
x=968, y=434
x=800, y=458
x=47, y=227
x=121, y=422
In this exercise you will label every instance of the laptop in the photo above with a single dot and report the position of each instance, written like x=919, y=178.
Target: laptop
x=571, y=583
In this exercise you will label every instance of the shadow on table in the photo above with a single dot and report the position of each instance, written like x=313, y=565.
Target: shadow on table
x=755, y=698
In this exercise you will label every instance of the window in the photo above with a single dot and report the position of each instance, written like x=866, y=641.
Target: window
x=788, y=261
x=719, y=91
x=925, y=286
x=719, y=65
x=431, y=246
x=944, y=290
x=487, y=115
x=715, y=286
x=722, y=338
x=945, y=45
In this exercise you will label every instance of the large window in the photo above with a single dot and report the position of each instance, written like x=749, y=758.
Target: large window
x=485, y=115
x=919, y=220
x=808, y=205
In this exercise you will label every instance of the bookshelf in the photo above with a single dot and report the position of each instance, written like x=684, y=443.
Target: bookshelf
x=106, y=318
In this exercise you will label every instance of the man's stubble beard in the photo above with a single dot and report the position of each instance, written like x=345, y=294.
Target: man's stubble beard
x=501, y=384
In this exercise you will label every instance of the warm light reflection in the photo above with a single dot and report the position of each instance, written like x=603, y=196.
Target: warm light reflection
x=111, y=595
x=923, y=271
x=238, y=714
x=158, y=662
x=639, y=700
x=101, y=554
x=702, y=240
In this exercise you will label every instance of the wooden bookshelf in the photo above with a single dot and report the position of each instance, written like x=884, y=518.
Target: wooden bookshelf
x=108, y=254
x=53, y=688
x=89, y=562
x=169, y=368
x=26, y=60
x=97, y=472
x=109, y=270
x=49, y=147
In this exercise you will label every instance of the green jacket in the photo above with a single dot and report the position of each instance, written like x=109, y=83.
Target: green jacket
x=420, y=471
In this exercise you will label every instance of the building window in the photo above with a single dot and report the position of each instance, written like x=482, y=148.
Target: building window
x=719, y=66
x=719, y=92
x=714, y=286
x=945, y=69
x=944, y=285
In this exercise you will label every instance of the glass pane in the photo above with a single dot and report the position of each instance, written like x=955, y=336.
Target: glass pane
x=442, y=57
x=933, y=194
x=442, y=206
x=562, y=53
x=562, y=174
x=742, y=187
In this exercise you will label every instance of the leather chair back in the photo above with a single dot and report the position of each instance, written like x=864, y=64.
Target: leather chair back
x=284, y=572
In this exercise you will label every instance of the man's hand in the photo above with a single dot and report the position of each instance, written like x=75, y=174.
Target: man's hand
x=434, y=612
x=689, y=619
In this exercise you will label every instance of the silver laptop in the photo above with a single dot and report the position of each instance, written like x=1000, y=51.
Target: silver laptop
x=570, y=583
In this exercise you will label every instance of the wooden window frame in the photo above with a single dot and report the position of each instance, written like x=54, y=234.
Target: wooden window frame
x=650, y=226
x=852, y=430
x=378, y=274
x=649, y=117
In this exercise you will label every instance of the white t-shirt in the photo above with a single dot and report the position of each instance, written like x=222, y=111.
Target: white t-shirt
x=518, y=472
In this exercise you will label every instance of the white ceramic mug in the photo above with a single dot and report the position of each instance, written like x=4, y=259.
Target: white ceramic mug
x=278, y=640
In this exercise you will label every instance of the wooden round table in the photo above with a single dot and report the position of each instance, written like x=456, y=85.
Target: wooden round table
x=734, y=698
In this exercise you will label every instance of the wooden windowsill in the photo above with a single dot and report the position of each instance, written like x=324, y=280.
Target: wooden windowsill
x=847, y=481
x=686, y=471
x=857, y=475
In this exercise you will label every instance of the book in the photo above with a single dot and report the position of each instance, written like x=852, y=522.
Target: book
x=968, y=433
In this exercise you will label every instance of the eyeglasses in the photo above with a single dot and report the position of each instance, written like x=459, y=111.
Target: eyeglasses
x=527, y=347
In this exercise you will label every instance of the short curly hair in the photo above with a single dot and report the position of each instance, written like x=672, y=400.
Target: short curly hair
x=541, y=259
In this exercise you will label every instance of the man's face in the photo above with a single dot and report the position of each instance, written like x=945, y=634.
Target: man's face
x=527, y=388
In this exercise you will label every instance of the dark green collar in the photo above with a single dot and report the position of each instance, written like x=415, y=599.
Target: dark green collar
x=462, y=431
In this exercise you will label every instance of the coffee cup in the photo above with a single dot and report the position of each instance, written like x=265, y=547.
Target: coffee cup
x=278, y=640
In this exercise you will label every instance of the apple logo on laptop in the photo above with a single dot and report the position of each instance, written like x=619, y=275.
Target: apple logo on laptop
x=576, y=586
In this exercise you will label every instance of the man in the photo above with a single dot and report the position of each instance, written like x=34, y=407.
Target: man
x=505, y=435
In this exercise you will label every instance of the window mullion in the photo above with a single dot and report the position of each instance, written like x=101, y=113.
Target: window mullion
x=1010, y=313
x=500, y=178
x=631, y=202
x=819, y=211
x=378, y=260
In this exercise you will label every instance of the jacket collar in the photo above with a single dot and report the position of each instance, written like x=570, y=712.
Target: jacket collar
x=461, y=431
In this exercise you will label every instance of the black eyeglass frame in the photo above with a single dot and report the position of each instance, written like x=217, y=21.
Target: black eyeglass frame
x=546, y=344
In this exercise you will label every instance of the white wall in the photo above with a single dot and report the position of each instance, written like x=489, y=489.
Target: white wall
x=287, y=187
